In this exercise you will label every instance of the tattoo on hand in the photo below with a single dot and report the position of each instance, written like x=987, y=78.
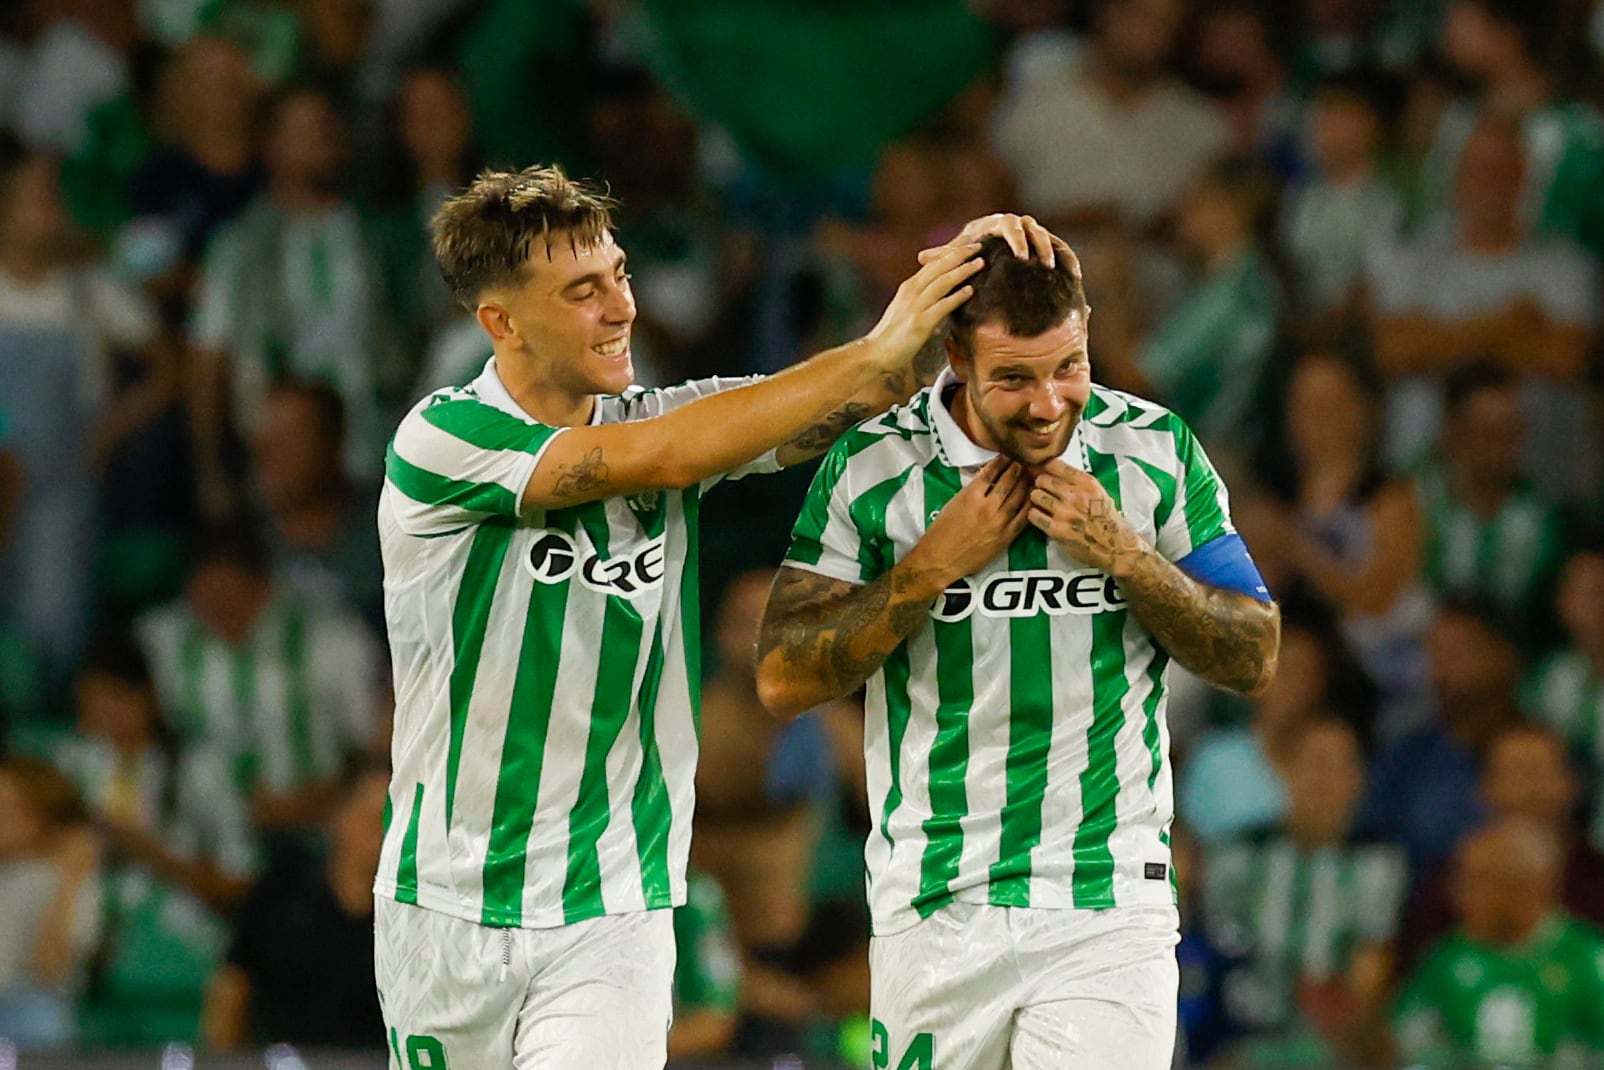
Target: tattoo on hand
x=818, y=438
x=581, y=478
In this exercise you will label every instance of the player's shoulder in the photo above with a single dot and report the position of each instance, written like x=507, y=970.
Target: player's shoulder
x=1119, y=422
x=463, y=414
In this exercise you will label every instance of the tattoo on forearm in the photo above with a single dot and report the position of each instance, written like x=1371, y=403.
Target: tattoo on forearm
x=1228, y=638
x=818, y=438
x=838, y=633
x=582, y=477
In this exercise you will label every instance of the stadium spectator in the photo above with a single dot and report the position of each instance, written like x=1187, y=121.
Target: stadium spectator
x=282, y=685
x=1235, y=58
x=1488, y=536
x=79, y=59
x=1566, y=689
x=1425, y=788
x=707, y=972
x=1347, y=530
x=1342, y=210
x=1309, y=911
x=760, y=785
x=1520, y=982
x=1486, y=289
x=1501, y=46
x=1207, y=360
x=206, y=164
x=319, y=527
x=48, y=862
x=299, y=969
x=1233, y=782
x=293, y=287
x=179, y=852
x=1527, y=774
x=1116, y=139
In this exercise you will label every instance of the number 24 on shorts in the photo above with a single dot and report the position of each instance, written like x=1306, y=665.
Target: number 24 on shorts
x=920, y=1054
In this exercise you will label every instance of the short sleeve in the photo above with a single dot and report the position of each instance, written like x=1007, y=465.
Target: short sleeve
x=456, y=461
x=825, y=538
x=1201, y=509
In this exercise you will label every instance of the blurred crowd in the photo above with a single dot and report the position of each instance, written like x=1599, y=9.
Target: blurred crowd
x=1355, y=243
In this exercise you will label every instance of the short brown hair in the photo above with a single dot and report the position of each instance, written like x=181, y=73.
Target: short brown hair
x=483, y=236
x=1026, y=296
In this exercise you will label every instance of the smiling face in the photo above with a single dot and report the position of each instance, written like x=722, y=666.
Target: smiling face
x=1023, y=396
x=570, y=313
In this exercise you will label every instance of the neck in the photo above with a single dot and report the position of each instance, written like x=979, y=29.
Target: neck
x=1492, y=236
x=1350, y=173
x=1485, y=497
x=23, y=267
x=963, y=416
x=303, y=196
x=537, y=394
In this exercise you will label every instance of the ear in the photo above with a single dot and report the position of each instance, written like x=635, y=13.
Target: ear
x=496, y=321
x=958, y=359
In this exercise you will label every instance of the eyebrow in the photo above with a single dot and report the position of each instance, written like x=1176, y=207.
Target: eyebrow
x=595, y=277
x=1078, y=357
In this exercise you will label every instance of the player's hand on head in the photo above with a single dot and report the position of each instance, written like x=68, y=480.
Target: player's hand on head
x=979, y=522
x=1074, y=510
x=923, y=301
x=1025, y=237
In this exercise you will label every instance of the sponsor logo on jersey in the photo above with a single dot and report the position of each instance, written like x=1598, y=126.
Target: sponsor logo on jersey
x=554, y=556
x=1029, y=593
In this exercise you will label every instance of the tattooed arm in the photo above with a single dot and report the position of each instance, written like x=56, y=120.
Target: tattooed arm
x=1228, y=638
x=893, y=388
x=822, y=638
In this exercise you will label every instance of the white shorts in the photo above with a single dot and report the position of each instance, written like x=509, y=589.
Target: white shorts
x=979, y=987
x=594, y=994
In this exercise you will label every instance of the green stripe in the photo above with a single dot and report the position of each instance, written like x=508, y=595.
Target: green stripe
x=1093, y=883
x=868, y=512
x=807, y=534
x=1030, y=733
x=431, y=489
x=470, y=617
x=1166, y=485
x=898, y=709
x=523, y=746
x=406, y=874
x=486, y=427
x=949, y=754
x=299, y=696
x=622, y=629
x=242, y=671
x=651, y=810
x=1204, y=519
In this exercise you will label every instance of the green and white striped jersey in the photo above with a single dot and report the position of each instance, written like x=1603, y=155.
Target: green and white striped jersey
x=1566, y=693
x=547, y=671
x=287, y=707
x=1016, y=744
x=1295, y=915
x=1509, y=559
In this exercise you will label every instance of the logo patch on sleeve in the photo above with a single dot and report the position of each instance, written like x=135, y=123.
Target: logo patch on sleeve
x=1155, y=871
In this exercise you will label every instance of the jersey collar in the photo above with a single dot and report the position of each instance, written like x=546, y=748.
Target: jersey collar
x=493, y=391
x=963, y=452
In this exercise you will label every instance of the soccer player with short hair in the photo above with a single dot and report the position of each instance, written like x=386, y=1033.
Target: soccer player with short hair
x=539, y=533
x=1010, y=561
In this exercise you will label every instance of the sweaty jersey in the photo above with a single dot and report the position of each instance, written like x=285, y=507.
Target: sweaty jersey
x=1016, y=743
x=546, y=671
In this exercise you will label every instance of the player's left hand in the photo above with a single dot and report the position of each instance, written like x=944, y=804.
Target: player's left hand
x=1075, y=511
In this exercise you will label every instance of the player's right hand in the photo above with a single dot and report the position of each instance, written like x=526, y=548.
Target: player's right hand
x=980, y=522
x=922, y=302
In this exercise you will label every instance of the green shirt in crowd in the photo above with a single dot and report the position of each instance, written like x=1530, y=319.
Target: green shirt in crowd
x=1539, y=1004
x=707, y=973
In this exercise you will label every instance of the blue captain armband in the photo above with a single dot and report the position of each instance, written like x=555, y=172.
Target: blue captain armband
x=1225, y=562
